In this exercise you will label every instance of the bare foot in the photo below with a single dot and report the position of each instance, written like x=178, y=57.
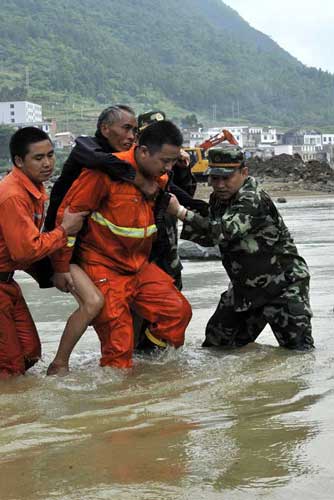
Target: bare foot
x=57, y=369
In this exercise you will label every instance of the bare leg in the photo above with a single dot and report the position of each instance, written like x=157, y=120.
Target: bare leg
x=90, y=302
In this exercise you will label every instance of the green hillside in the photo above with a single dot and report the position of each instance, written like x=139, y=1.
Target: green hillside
x=187, y=56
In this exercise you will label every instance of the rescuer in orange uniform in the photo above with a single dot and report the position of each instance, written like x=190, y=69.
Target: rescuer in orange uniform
x=22, y=199
x=115, y=248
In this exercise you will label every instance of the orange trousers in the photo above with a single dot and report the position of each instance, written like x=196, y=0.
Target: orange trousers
x=152, y=294
x=20, y=347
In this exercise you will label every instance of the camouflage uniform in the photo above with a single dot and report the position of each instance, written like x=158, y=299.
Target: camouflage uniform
x=269, y=279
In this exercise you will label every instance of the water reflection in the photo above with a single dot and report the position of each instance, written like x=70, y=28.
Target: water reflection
x=268, y=446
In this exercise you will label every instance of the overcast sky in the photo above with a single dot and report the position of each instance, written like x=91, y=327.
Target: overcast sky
x=305, y=28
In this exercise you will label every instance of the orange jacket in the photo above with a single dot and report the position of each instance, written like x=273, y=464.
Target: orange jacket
x=120, y=228
x=21, y=219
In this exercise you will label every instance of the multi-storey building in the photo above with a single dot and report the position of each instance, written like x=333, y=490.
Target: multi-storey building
x=20, y=113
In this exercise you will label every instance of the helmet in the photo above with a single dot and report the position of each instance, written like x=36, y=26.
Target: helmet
x=224, y=160
x=150, y=117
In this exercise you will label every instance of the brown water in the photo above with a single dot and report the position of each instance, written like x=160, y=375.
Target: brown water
x=191, y=424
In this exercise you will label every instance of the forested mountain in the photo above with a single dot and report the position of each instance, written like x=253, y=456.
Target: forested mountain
x=198, y=54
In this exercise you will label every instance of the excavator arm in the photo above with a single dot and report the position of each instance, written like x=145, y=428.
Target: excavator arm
x=198, y=161
x=224, y=135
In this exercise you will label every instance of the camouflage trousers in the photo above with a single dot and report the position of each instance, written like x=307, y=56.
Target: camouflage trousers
x=289, y=316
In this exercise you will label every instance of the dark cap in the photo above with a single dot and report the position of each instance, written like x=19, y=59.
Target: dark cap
x=150, y=117
x=224, y=160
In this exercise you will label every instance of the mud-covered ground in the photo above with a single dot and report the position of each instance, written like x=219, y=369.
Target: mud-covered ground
x=286, y=175
x=290, y=173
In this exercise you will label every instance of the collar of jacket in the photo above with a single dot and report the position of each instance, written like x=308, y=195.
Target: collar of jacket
x=128, y=156
x=36, y=191
x=250, y=183
x=103, y=142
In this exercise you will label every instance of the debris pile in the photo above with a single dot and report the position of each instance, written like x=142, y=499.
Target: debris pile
x=312, y=175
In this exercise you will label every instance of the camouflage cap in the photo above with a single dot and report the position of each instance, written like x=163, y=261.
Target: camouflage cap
x=150, y=117
x=224, y=160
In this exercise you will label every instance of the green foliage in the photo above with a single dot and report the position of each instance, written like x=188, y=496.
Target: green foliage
x=190, y=121
x=182, y=56
x=5, y=135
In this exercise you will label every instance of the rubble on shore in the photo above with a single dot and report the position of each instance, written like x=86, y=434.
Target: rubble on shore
x=293, y=173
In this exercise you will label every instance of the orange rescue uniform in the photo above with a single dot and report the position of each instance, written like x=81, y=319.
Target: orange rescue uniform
x=114, y=250
x=21, y=244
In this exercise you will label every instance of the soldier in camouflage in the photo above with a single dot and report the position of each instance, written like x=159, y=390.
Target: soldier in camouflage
x=269, y=279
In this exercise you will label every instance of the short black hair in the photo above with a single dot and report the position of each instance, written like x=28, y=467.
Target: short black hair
x=113, y=114
x=157, y=134
x=22, y=138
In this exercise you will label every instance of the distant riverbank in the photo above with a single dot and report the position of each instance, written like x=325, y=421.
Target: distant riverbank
x=276, y=189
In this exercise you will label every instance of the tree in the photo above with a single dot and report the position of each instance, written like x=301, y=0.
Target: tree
x=190, y=121
x=5, y=134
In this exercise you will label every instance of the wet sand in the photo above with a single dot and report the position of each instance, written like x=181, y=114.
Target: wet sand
x=276, y=189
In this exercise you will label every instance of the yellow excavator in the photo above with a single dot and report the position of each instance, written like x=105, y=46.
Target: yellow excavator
x=198, y=153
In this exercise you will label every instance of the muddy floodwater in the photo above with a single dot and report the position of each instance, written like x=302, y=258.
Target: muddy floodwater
x=257, y=423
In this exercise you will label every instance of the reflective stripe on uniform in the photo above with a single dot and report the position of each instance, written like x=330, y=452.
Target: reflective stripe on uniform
x=70, y=241
x=155, y=340
x=126, y=232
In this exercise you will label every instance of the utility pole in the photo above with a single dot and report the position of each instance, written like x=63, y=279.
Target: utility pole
x=214, y=113
x=27, y=81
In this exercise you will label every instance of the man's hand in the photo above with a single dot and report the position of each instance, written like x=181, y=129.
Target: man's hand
x=149, y=187
x=183, y=160
x=173, y=205
x=72, y=222
x=64, y=282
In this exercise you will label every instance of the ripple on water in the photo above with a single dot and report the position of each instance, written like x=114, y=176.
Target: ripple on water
x=193, y=423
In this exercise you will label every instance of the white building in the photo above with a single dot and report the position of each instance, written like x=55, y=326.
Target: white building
x=64, y=140
x=313, y=139
x=327, y=139
x=268, y=136
x=20, y=113
x=193, y=138
x=255, y=130
x=286, y=149
x=307, y=152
